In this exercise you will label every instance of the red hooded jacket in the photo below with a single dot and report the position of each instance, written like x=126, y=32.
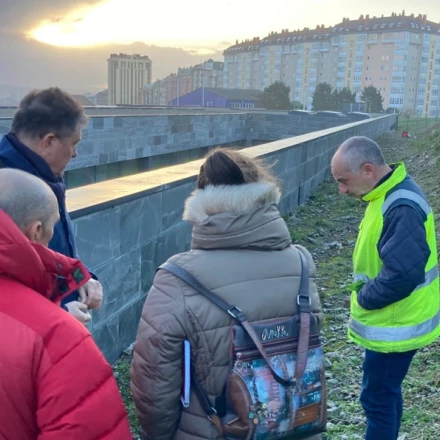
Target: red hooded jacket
x=54, y=382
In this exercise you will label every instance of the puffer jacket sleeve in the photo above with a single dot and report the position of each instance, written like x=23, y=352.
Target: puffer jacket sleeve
x=78, y=397
x=313, y=291
x=404, y=252
x=156, y=373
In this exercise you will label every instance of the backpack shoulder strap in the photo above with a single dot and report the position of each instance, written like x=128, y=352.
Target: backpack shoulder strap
x=304, y=303
x=234, y=311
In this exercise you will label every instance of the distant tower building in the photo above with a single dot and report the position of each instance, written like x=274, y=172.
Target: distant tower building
x=127, y=77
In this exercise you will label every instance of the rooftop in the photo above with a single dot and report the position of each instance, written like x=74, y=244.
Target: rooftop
x=126, y=56
x=239, y=94
x=364, y=24
x=81, y=99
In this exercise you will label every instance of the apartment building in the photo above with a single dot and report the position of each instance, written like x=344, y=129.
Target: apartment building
x=127, y=77
x=400, y=55
x=186, y=80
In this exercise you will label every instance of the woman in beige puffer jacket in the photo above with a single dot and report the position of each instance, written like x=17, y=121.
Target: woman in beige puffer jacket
x=241, y=251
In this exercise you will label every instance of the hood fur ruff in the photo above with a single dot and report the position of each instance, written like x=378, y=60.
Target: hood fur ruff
x=239, y=199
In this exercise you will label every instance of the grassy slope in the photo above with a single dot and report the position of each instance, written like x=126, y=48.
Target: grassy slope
x=329, y=218
x=327, y=226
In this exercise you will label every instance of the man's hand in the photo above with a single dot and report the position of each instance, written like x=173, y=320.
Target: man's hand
x=79, y=311
x=91, y=294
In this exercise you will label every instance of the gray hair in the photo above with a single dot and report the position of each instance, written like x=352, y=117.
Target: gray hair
x=26, y=198
x=359, y=150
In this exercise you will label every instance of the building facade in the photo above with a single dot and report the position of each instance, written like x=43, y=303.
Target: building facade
x=400, y=55
x=127, y=77
x=219, y=98
x=186, y=80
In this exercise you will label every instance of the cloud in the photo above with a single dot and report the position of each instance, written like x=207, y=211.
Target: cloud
x=53, y=65
x=201, y=51
x=19, y=16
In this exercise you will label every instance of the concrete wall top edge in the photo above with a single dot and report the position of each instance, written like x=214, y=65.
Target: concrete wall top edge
x=149, y=115
x=99, y=196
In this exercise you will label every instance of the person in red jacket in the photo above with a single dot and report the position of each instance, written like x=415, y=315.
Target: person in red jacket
x=54, y=382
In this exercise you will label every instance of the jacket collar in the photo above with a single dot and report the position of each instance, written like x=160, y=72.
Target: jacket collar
x=237, y=216
x=50, y=274
x=38, y=165
x=19, y=156
x=389, y=182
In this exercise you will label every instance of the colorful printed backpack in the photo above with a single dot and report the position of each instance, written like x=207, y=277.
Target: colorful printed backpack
x=276, y=388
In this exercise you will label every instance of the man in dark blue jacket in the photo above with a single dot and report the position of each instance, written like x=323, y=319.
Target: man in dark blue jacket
x=43, y=139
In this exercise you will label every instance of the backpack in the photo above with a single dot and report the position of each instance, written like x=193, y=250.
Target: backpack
x=276, y=385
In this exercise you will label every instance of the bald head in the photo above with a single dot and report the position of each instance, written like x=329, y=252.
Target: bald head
x=359, y=150
x=30, y=203
x=358, y=165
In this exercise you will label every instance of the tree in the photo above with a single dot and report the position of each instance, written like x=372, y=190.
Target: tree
x=392, y=110
x=373, y=99
x=276, y=97
x=296, y=105
x=345, y=96
x=322, y=98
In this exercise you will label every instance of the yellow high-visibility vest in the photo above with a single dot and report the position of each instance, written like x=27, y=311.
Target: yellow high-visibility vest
x=413, y=322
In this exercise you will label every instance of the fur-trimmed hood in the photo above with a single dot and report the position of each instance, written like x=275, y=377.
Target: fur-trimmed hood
x=237, y=216
x=237, y=199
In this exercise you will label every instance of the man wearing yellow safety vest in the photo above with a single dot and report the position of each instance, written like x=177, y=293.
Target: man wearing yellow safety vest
x=395, y=296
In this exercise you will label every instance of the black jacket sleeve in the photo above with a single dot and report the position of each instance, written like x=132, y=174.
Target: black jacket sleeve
x=404, y=252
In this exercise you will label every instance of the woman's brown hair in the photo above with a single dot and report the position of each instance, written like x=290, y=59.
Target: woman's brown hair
x=224, y=166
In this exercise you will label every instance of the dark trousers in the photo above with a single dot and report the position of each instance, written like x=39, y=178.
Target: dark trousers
x=381, y=395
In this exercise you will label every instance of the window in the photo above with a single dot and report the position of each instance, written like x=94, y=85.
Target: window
x=396, y=101
x=397, y=68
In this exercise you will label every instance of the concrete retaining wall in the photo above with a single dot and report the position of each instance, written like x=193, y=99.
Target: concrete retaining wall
x=127, y=227
x=109, y=140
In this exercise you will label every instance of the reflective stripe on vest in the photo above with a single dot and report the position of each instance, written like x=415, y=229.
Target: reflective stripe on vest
x=394, y=334
x=430, y=276
x=409, y=195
